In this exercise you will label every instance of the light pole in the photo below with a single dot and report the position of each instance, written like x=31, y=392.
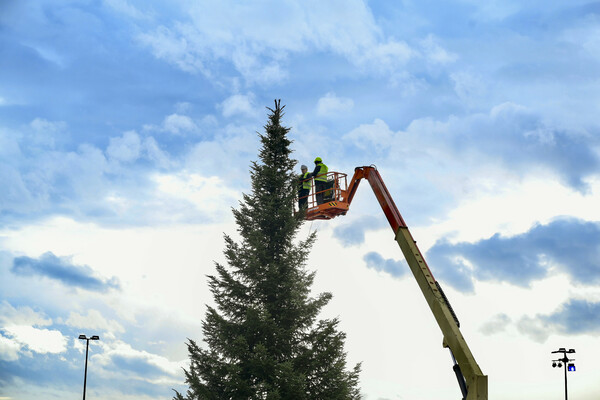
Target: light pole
x=87, y=346
x=564, y=360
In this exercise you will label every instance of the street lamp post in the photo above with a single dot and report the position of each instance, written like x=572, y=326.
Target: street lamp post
x=87, y=346
x=568, y=365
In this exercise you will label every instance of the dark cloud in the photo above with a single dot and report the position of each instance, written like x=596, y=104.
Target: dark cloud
x=576, y=316
x=568, y=153
x=393, y=267
x=570, y=245
x=61, y=269
x=457, y=274
x=137, y=364
x=46, y=370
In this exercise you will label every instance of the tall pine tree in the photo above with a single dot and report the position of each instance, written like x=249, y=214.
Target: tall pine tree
x=263, y=338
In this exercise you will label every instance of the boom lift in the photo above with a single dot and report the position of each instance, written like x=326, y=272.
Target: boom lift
x=336, y=201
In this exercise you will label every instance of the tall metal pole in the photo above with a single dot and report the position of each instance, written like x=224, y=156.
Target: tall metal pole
x=87, y=346
x=566, y=363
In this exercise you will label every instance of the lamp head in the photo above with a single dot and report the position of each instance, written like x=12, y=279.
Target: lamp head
x=82, y=337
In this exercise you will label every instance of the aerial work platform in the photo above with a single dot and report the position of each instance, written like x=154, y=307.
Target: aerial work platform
x=328, y=203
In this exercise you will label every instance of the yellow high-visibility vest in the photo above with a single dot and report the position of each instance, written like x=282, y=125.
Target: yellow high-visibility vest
x=322, y=175
x=306, y=182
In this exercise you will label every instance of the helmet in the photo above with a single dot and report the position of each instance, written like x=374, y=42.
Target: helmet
x=303, y=166
x=318, y=159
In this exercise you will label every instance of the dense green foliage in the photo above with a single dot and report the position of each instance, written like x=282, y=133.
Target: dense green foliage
x=263, y=338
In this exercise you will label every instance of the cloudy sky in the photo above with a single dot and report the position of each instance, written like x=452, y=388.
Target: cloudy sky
x=127, y=129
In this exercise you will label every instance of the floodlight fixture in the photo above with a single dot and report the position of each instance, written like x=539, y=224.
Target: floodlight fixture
x=569, y=366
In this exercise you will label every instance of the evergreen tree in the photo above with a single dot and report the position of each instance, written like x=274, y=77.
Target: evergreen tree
x=263, y=337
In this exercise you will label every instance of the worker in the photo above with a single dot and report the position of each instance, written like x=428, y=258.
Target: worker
x=320, y=176
x=303, y=187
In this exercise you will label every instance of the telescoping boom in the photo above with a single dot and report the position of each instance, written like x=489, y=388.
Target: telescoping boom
x=337, y=200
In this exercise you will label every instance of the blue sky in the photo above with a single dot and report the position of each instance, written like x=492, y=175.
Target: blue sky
x=126, y=133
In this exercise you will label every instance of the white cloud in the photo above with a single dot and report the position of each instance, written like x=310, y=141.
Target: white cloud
x=155, y=153
x=507, y=110
x=22, y=315
x=238, y=104
x=43, y=125
x=94, y=321
x=126, y=148
x=384, y=57
x=178, y=124
x=257, y=39
x=257, y=70
x=173, y=48
x=331, y=104
x=210, y=194
x=38, y=340
x=46, y=133
x=130, y=147
x=119, y=350
x=84, y=170
x=377, y=136
x=9, y=349
x=435, y=53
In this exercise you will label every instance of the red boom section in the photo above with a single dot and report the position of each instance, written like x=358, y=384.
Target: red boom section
x=383, y=195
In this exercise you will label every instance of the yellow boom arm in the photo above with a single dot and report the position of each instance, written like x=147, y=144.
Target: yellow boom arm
x=472, y=381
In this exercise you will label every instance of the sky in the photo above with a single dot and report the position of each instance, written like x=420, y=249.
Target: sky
x=127, y=129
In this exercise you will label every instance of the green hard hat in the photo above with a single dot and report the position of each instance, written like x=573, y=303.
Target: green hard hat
x=318, y=159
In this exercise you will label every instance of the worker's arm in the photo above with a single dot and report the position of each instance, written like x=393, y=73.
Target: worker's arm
x=316, y=171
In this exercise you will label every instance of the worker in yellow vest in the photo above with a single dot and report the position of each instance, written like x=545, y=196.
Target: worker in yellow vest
x=303, y=187
x=320, y=176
